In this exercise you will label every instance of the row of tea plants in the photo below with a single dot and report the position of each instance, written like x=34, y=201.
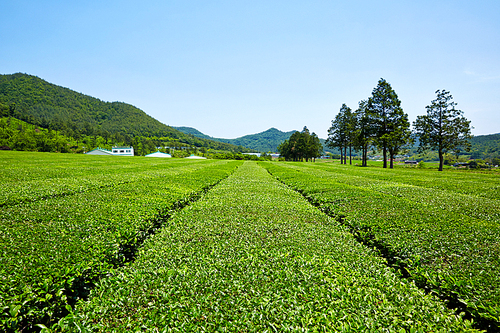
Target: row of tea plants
x=30, y=177
x=254, y=256
x=449, y=247
x=54, y=247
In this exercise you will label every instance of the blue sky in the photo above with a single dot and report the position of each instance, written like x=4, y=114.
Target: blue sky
x=231, y=68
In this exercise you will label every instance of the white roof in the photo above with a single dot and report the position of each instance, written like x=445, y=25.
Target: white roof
x=196, y=157
x=158, y=154
x=99, y=151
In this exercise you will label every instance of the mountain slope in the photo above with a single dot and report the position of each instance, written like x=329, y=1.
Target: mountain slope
x=266, y=141
x=195, y=132
x=485, y=146
x=47, y=105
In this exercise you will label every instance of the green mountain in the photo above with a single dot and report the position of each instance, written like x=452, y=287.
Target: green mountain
x=49, y=106
x=267, y=141
x=195, y=132
x=485, y=146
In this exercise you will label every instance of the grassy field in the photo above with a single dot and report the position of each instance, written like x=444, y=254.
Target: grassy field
x=98, y=243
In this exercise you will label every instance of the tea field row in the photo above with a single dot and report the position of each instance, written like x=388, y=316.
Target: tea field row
x=31, y=177
x=52, y=250
x=448, y=246
x=253, y=255
x=114, y=244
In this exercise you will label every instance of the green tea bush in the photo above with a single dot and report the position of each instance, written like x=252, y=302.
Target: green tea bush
x=53, y=249
x=454, y=255
x=252, y=255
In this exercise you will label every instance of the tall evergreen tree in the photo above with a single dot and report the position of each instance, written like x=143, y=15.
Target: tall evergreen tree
x=390, y=123
x=443, y=128
x=364, y=131
x=351, y=125
x=304, y=139
x=339, y=134
x=315, y=148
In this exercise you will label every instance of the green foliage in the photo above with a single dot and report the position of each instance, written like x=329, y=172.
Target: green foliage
x=443, y=128
x=342, y=133
x=301, y=145
x=363, y=135
x=441, y=230
x=390, y=124
x=253, y=256
x=75, y=115
x=19, y=135
x=485, y=146
x=66, y=220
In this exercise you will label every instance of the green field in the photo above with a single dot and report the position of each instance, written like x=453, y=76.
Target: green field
x=98, y=243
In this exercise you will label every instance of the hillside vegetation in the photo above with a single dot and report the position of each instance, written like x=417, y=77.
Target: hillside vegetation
x=485, y=146
x=45, y=105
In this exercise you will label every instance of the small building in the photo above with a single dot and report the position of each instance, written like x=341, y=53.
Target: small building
x=159, y=154
x=99, y=151
x=411, y=162
x=253, y=154
x=194, y=157
x=115, y=151
x=123, y=151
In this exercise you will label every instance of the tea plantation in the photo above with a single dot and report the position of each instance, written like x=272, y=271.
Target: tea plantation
x=107, y=244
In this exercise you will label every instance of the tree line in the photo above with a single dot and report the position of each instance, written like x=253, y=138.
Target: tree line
x=300, y=146
x=380, y=122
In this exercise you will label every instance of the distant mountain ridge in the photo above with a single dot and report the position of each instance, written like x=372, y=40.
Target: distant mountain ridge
x=195, y=132
x=266, y=141
x=482, y=146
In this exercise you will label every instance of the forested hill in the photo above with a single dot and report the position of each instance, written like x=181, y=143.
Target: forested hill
x=47, y=105
x=266, y=141
x=195, y=132
x=485, y=146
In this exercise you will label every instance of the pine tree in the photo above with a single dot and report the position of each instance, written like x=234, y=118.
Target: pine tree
x=390, y=123
x=364, y=131
x=340, y=133
x=444, y=128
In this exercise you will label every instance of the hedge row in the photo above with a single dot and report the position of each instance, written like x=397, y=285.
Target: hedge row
x=253, y=255
x=454, y=255
x=470, y=194
x=29, y=177
x=53, y=250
